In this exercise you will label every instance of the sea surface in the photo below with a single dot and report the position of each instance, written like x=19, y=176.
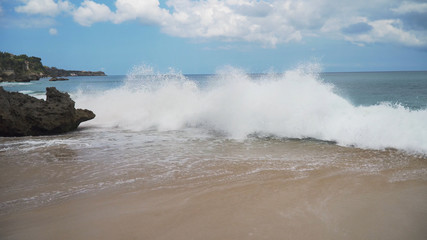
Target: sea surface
x=231, y=155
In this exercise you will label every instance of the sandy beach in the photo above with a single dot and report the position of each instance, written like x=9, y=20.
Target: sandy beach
x=240, y=194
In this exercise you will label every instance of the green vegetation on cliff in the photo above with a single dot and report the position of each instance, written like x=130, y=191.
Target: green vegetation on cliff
x=21, y=68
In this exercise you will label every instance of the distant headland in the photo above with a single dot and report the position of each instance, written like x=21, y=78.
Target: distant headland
x=21, y=68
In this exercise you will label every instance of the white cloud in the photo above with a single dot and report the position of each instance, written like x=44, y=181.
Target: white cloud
x=206, y=19
x=276, y=21
x=390, y=31
x=147, y=11
x=410, y=7
x=268, y=22
x=44, y=7
x=91, y=12
x=53, y=31
x=231, y=20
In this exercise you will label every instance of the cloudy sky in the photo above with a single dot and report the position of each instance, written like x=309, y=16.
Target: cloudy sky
x=204, y=35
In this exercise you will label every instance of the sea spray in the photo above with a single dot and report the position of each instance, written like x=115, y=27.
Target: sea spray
x=293, y=104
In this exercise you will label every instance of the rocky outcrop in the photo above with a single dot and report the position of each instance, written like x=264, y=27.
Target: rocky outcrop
x=22, y=115
x=58, y=79
x=11, y=76
x=20, y=68
x=56, y=72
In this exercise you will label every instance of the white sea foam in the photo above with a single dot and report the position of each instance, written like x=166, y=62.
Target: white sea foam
x=3, y=84
x=26, y=91
x=294, y=104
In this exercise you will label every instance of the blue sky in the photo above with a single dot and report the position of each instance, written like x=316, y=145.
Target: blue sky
x=205, y=35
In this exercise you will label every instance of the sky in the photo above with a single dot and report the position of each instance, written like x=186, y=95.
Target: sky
x=203, y=36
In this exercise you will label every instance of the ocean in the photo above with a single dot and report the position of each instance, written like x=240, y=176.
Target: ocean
x=231, y=155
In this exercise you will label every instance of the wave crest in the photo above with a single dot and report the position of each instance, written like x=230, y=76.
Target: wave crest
x=293, y=104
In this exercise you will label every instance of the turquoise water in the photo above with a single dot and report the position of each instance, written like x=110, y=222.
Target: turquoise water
x=367, y=88
x=87, y=84
x=408, y=89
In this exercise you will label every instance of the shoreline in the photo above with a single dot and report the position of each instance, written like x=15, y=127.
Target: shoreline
x=257, y=206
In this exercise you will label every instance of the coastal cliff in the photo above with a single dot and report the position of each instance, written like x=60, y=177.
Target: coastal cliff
x=21, y=68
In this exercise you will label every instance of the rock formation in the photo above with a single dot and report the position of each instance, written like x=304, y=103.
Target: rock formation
x=56, y=72
x=22, y=115
x=58, y=79
x=20, y=68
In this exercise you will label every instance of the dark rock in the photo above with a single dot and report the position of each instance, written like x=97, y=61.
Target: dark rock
x=58, y=79
x=23, y=115
x=56, y=72
x=27, y=77
x=10, y=76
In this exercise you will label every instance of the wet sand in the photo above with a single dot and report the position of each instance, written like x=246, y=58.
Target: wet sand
x=208, y=189
x=266, y=205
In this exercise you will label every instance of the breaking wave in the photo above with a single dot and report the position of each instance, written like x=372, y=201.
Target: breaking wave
x=292, y=104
